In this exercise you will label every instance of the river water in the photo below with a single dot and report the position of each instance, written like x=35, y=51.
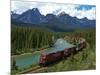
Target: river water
x=26, y=60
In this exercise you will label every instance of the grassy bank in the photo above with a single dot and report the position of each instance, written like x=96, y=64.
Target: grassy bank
x=28, y=53
x=24, y=70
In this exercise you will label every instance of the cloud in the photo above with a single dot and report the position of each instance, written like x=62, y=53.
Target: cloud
x=20, y=6
x=49, y=8
x=90, y=14
x=89, y=2
x=79, y=11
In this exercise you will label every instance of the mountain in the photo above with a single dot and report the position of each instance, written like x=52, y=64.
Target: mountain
x=31, y=16
x=61, y=22
x=14, y=15
x=74, y=21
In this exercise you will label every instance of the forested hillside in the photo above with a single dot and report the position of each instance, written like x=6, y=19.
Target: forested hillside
x=30, y=39
x=27, y=39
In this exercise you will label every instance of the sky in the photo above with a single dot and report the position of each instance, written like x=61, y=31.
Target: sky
x=74, y=10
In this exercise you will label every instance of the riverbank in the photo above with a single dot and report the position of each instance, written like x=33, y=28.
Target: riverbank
x=15, y=56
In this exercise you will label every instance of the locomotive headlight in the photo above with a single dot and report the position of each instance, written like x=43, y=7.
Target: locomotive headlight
x=44, y=57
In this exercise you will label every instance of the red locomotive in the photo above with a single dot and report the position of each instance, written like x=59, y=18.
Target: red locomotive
x=49, y=57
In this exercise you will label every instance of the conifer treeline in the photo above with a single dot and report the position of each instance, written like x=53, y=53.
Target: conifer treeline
x=25, y=38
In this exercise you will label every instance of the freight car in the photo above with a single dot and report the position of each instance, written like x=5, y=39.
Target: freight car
x=69, y=51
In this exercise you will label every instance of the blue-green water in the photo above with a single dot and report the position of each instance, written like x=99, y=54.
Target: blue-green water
x=27, y=60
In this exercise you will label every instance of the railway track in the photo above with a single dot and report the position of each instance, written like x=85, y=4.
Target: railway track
x=34, y=70
x=38, y=70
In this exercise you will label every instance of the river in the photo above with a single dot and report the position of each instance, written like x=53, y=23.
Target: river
x=25, y=60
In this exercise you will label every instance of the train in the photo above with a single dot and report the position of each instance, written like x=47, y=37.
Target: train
x=53, y=56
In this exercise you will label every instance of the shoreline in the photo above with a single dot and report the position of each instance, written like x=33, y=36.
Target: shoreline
x=15, y=56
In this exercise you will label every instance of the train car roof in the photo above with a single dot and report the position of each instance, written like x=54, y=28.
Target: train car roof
x=59, y=45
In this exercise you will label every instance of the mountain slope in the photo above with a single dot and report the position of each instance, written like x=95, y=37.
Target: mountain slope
x=61, y=22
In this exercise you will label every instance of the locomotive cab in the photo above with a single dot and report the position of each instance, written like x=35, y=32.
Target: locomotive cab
x=42, y=60
x=48, y=58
